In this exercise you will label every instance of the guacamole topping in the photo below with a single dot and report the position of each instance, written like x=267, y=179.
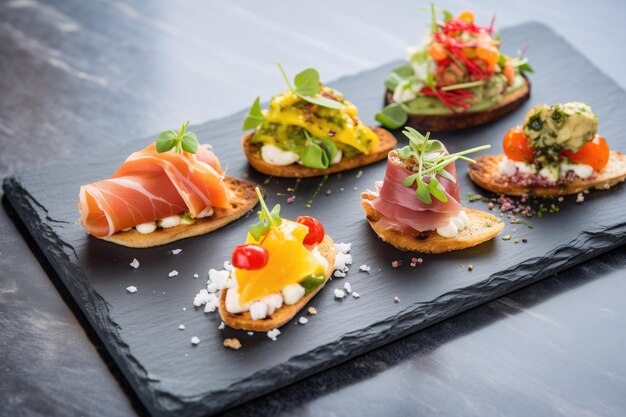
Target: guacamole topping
x=457, y=68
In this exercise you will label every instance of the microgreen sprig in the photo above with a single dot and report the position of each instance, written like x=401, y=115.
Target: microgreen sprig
x=178, y=141
x=306, y=85
x=267, y=218
x=432, y=159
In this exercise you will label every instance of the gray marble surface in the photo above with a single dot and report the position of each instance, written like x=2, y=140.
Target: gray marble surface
x=75, y=76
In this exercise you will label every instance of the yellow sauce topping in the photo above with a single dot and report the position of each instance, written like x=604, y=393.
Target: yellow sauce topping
x=341, y=125
x=289, y=262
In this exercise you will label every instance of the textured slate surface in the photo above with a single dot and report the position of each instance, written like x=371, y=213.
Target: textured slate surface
x=141, y=330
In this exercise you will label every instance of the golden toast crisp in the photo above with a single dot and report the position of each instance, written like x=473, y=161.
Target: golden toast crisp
x=252, y=152
x=243, y=200
x=462, y=120
x=282, y=315
x=481, y=228
x=486, y=174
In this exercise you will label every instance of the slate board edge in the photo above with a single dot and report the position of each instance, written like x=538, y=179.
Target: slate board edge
x=94, y=307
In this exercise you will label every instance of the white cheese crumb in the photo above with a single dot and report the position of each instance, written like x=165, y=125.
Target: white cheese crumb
x=195, y=340
x=347, y=287
x=342, y=260
x=176, y=251
x=201, y=298
x=258, y=311
x=250, y=333
x=356, y=294
x=364, y=268
x=292, y=293
x=303, y=320
x=339, y=293
x=221, y=326
x=135, y=263
x=273, y=334
x=195, y=275
x=339, y=274
x=211, y=304
x=343, y=247
x=181, y=327
x=131, y=289
x=173, y=274
x=580, y=197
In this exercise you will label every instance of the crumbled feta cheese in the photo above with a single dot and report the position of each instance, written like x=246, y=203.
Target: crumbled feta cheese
x=273, y=302
x=449, y=230
x=201, y=298
x=217, y=280
x=195, y=275
x=347, y=287
x=176, y=251
x=174, y=273
x=228, y=266
x=356, y=294
x=131, y=289
x=339, y=274
x=273, y=334
x=303, y=320
x=195, y=340
x=258, y=310
x=292, y=293
x=343, y=247
x=507, y=167
x=211, y=304
x=342, y=260
x=135, y=263
x=181, y=327
x=339, y=293
x=232, y=302
x=365, y=268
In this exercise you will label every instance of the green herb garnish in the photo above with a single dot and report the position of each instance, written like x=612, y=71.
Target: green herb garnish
x=319, y=152
x=432, y=158
x=178, y=141
x=311, y=282
x=255, y=116
x=267, y=218
x=393, y=116
x=307, y=85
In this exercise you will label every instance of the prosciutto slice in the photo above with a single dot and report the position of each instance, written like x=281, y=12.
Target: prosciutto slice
x=150, y=186
x=403, y=211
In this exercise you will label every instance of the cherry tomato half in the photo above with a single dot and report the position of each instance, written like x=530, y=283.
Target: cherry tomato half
x=516, y=146
x=594, y=153
x=316, y=230
x=249, y=257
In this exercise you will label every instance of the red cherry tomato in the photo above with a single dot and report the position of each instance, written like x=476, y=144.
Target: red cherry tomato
x=594, y=153
x=249, y=257
x=316, y=230
x=516, y=146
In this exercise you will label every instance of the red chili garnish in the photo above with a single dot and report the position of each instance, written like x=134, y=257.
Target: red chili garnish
x=249, y=257
x=316, y=230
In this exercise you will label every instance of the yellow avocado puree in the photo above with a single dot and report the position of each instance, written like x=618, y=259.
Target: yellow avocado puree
x=289, y=262
x=340, y=125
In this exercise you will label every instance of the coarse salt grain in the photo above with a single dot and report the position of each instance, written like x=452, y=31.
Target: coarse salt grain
x=339, y=274
x=176, y=251
x=250, y=333
x=195, y=340
x=181, y=327
x=396, y=300
x=356, y=294
x=580, y=197
x=364, y=268
x=134, y=263
x=339, y=293
x=303, y=320
x=221, y=326
x=273, y=334
x=131, y=289
x=173, y=274
x=195, y=275
x=347, y=287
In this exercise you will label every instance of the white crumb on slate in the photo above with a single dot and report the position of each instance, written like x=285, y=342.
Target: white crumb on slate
x=396, y=300
x=195, y=340
x=181, y=327
x=273, y=334
x=174, y=273
x=131, y=289
x=195, y=275
x=250, y=333
x=339, y=293
x=339, y=274
x=303, y=320
x=176, y=251
x=134, y=263
x=221, y=326
x=184, y=308
x=365, y=268
x=347, y=287
x=356, y=294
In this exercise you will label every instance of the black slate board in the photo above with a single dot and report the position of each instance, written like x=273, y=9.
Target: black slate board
x=171, y=377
